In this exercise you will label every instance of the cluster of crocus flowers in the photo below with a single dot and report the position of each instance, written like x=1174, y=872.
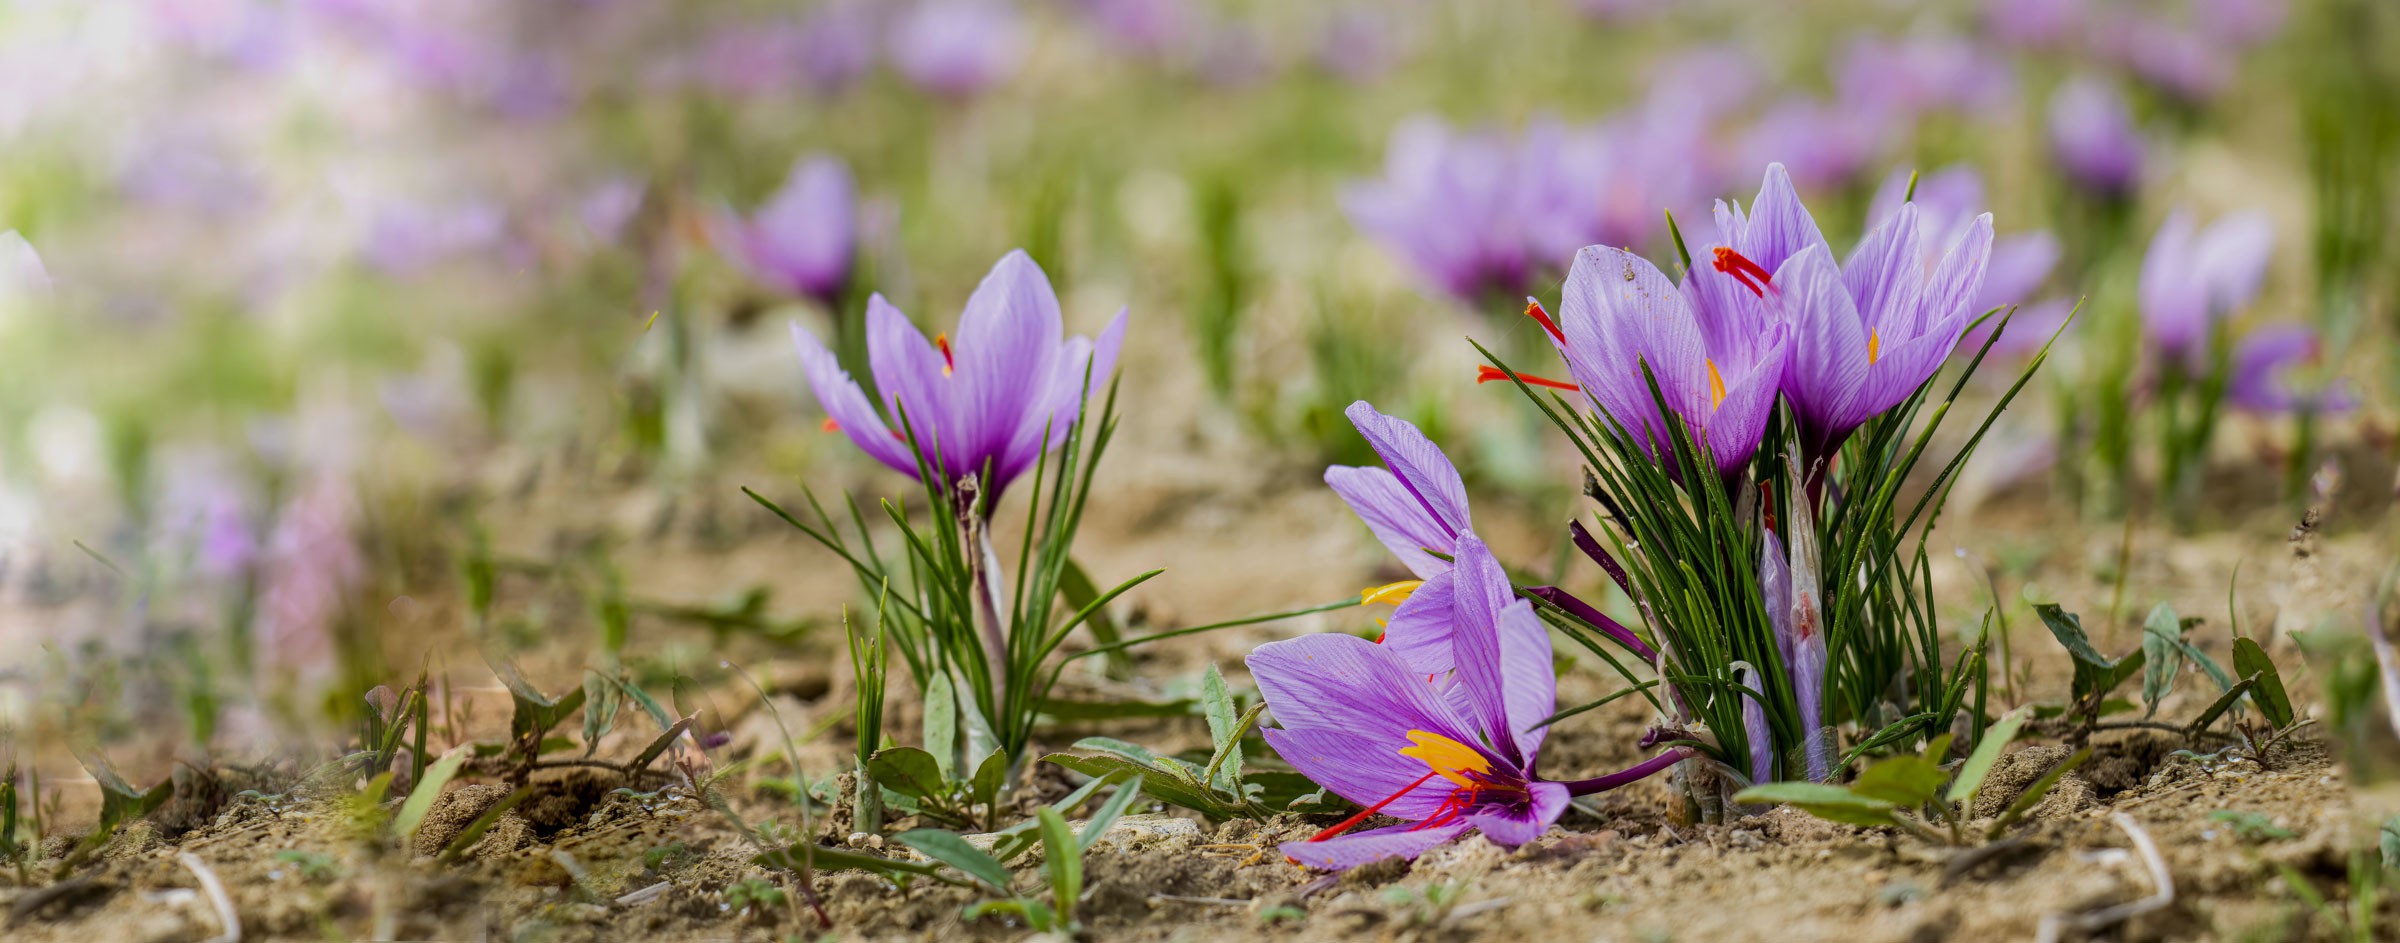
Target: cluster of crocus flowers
x=985, y=405
x=804, y=239
x=2195, y=278
x=1440, y=726
x=1768, y=313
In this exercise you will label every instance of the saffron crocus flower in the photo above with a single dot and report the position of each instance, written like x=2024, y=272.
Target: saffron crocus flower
x=1439, y=732
x=956, y=48
x=989, y=404
x=803, y=239
x=1454, y=205
x=1417, y=503
x=2193, y=277
x=2262, y=380
x=2093, y=137
x=1864, y=335
x=1948, y=201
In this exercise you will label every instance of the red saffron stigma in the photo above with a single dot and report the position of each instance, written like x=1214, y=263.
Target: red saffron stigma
x=1351, y=822
x=1533, y=309
x=1487, y=373
x=829, y=425
x=948, y=363
x=1750, y=274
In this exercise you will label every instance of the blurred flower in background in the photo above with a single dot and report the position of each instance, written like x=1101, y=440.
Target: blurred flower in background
x=1459, y=207
x=2192, y=278
x=2265, y=374
x=2093, y=137
x=804, y=239
x=956, y=48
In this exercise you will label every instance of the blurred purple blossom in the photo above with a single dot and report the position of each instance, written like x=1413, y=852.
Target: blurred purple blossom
x=1820, y=144
x=2038, y=23
x=1359, y=43
x=312, y=565
x=1912, y=75
x=2239, y=23
x=405, y=239
x=2171, y=57
x=2093, y=136
x=1459, y=207
x=23, y=277
x=2193, y=278
x=2262, y=378
x=1141, y=27
x=957, y=48
x=836, y=45
x=804, y=239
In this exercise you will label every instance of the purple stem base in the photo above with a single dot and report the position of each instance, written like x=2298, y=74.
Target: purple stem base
x=1631, y=774
x=1584, y=611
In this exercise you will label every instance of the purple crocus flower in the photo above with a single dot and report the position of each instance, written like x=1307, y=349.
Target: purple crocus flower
x=1416, y=503
x=956, y=48
x=2037, y=23
x=803, y=240
x=1439, y=731
x=1717, y=363
x=2262, y=380
x=2093, y=136
x=1920, y=73
x=991, y=404
x=835, y=45
x=2173, y=58
x=1146, y=27
x=1948, y=201
x=2239, y=23
x=2193, y=277
x=1454, y=205
x=1824, y=145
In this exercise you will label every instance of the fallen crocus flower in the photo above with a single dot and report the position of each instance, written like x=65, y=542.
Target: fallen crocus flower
x=1417, y=503
x=989, y=404
x=1437, y=730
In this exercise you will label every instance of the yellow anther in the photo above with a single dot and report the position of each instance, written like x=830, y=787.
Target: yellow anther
x=1874, y=345
x=1716, y=385
x=1394, y=593
x=1448, y=758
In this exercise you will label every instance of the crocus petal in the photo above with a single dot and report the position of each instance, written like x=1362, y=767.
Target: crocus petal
x=2232, y=256
x=1362, y=770
x=1421, y=629
x=1740, y=422
x=1513, y=826
x=1779, y=226
x=1481, y=591
x=1007, y=345
x=1422, y=468
x=1956, y=282
x=912, y=377
x=1885, y=274
x=1775, y=591
x=1610, y=299
x=1754, y=724
x=1528, y=679
x=1343, y=852
x=1395, y=516
x=842, y=400
x=1828, y=361
x=1343, y=682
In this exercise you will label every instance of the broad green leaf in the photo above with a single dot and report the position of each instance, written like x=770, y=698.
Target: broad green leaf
x=990, y=775
x=908, y=771
x=2162, y=651
x=2223, y=703
x=941, y=725
x=420, y=798
x=1131, y=751
x=1222, y=731
x=1225, y=767
x=952, y=849
x=1979, y=763
x=601, y=698
x=1108, y=814
x=1823, y=800
x=2033, y=794
x=1908, y=781
x=1160, y=785
x=2095, y=674
x=1062, y=860
x=2251, y=660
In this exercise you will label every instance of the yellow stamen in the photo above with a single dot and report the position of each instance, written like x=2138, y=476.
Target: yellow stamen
x=1874, y=346
x=1716, y=385
x=1394, y=593
x=1449, y=758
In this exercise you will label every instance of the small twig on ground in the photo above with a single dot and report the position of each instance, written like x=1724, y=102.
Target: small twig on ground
x=217, y=898
x=1219, y=901
x=645, y=895
x=41, y=897
x=1477, y=908
x=2056, y=922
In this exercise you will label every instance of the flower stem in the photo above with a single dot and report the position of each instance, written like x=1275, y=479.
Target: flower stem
x=1632, y=774
x=1596, y=619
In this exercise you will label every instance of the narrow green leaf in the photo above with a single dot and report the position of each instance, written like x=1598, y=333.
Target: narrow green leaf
x=1117, y=804
x=420, y=798
x=838, y=859
x=1062, y=860
x=1987, y=753
x=1159, y=782
x=1222, y=731
x=1823, y=800
x=601, y=698
x=941, y=725
x=2223, y=703
x=483, y=823
x=2251, y=660
x=952, y=849
x=1131, y=751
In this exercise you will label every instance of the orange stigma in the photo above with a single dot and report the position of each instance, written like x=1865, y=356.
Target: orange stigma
x=1487, y=373
x=1752, y=275
x=829, y=425
x=943, y=341
x=1533, y=309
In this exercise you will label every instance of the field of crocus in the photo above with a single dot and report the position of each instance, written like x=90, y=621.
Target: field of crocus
x=1181, y=470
